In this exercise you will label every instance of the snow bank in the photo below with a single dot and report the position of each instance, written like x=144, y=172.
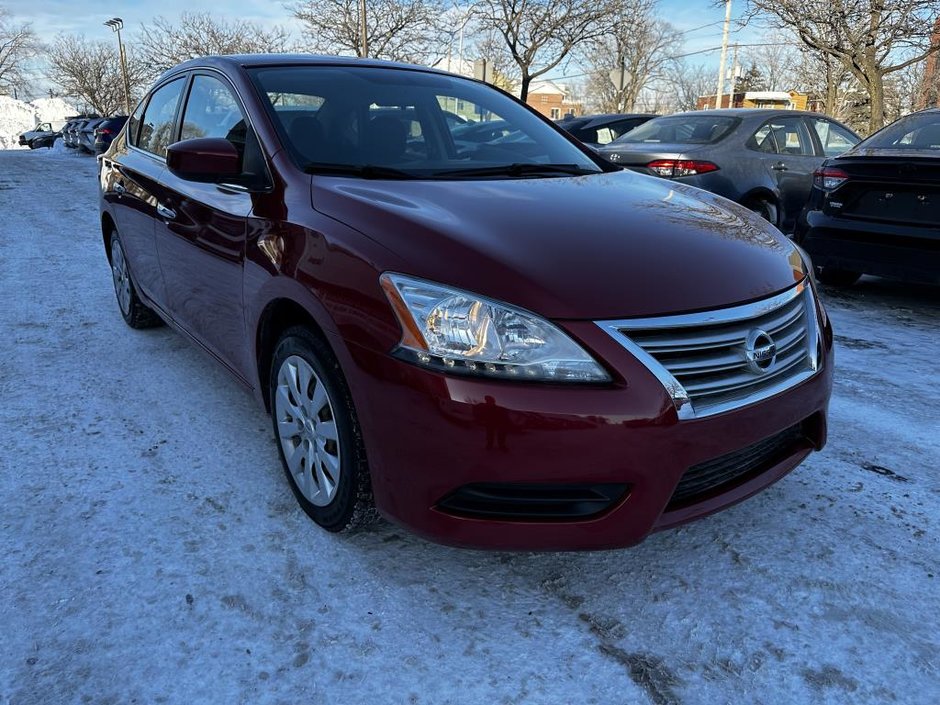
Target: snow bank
x=17, y=116
x=53, y=109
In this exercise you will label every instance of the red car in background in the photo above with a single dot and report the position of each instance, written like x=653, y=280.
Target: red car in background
x=515, y=346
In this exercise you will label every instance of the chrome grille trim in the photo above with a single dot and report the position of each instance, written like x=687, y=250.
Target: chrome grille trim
x=699, y=357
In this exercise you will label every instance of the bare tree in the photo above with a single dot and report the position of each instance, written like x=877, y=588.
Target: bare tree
x=640, y=43
x=17, y=46
x=91, y=72
x=397, y=30
x=833, y=87
x=490, y=46
x=777, y=60
x=163, y=43
x=542, y=34
x=870, y=38
x=690, y=83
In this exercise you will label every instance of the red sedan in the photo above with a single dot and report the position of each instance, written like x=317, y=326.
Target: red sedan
x=505, y=344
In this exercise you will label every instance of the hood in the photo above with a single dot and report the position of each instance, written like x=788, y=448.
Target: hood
x=602, y=246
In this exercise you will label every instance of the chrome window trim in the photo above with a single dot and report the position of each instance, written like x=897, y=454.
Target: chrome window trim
x=680, y=398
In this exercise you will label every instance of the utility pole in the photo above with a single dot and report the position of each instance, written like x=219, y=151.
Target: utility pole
x=724, y=55
x=116, y=24
x=363, y=29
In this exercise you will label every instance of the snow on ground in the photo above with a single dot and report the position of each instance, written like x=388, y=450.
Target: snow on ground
x=16, y=117
x=153, y=552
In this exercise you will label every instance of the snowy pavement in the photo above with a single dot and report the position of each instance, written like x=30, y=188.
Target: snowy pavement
x=153, y=553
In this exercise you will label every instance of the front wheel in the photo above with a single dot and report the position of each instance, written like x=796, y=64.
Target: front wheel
x=318, y=434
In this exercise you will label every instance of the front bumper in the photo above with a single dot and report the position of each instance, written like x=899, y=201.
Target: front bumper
x=882, y=249
x=428, y=435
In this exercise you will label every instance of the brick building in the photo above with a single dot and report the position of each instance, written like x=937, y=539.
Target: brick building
x=551, y=99
x=780, y=100
x=930, y=88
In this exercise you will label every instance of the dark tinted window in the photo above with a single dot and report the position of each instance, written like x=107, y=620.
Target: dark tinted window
x=681, y=129
x=920, y=131
x=156, y=129
x=426, y=125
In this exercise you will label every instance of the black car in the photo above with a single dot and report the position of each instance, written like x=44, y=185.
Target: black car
x=597, y=130
x=86, y=135
x=876, y=208
x=763, y=159
x=107, y=130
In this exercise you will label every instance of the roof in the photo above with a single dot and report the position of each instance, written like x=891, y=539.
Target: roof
x=547, y=87
x=768, y=95
x=253, y=60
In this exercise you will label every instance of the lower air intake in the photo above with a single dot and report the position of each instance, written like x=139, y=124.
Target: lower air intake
x=532, y=502
x=713, y=476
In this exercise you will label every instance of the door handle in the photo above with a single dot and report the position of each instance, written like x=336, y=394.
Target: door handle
x=119, y=189
x=167, y=213
x=780, y=166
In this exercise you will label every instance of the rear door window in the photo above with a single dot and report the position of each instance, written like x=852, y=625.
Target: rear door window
x=159, y=121
x=834, y=138
x=787, y=136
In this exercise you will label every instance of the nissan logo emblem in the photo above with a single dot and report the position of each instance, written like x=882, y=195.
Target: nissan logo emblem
x=760, y=351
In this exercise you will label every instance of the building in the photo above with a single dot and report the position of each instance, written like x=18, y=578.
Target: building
x=551, y=99
x=779, y=100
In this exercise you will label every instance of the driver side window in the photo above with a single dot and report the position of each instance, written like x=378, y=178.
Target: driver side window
x=213, y=111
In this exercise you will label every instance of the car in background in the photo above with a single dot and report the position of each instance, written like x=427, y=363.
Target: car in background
x=71, y=130
x=43, y=129
x=597, y=130
x=519, y=347
x=763, y=159
x=876, y=208
x=86, y=135
x=47, y=140
x=106, y=130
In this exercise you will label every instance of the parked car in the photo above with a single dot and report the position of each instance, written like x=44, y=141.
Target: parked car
x=86, y=135
x=43, y=129
x=494, y=348
x=70, y=132
x=45, y=140
x=876, y=208
x=763, y=159
x=597, y=130
x=106, y=131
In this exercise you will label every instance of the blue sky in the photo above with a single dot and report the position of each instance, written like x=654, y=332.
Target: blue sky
x=699, y=19
x=52, y=16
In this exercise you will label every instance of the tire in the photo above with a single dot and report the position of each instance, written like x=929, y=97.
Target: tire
x=837, y=277
x=766, y=209
x=317, y=433
x=135, y=313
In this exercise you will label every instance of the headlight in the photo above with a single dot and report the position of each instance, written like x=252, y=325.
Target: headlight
x=459, y=332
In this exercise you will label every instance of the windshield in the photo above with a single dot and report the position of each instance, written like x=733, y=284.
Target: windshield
x=919, y=132
x=396, y=123
x=680, y=129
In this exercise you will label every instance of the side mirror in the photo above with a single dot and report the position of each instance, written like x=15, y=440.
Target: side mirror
x=207, y=159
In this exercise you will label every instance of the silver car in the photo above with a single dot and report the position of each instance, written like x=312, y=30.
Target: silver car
x=763, y=159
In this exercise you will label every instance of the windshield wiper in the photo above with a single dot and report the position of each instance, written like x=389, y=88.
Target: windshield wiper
x=520, y=169
x=366, y=171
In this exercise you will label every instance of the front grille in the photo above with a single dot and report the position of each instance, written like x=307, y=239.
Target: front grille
x=719, y=360
x=532, y=502
x=720, y=474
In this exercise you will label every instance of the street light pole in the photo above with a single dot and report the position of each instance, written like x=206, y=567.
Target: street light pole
x=724, y=58
x=116, y=24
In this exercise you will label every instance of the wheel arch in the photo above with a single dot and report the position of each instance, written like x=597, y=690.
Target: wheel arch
x=277, y=316
x=760, y=193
